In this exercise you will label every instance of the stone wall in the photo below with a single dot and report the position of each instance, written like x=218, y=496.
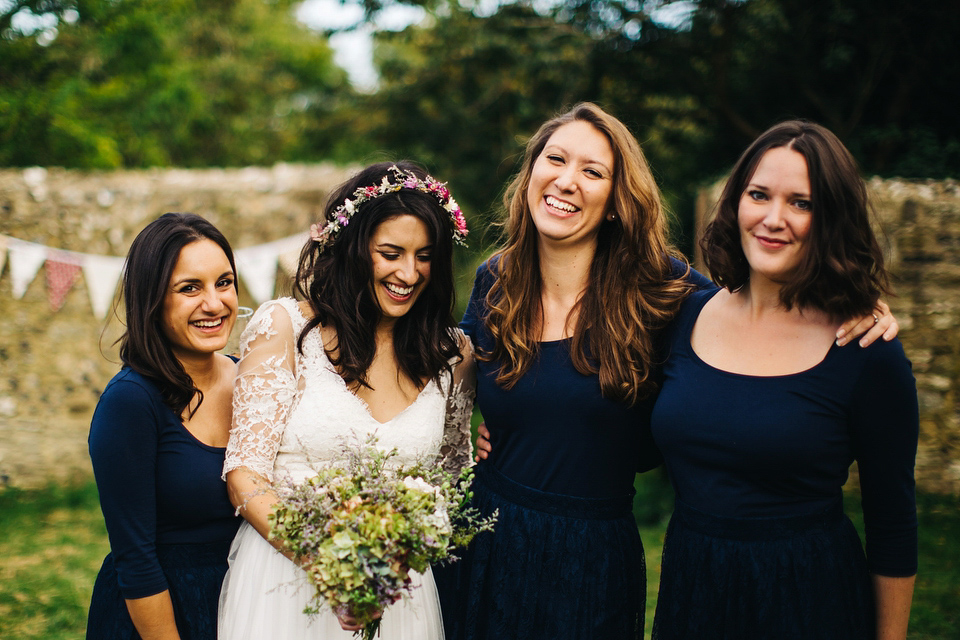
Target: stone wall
x=919, y=226
x=53, y=365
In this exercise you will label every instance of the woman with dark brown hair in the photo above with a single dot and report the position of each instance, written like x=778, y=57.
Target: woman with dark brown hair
x=371, y=349
x=760, y=415
x=158, y=437
x=566, y=322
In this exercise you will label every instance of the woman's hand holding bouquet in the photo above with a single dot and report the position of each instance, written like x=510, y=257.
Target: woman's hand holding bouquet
x=358, y=528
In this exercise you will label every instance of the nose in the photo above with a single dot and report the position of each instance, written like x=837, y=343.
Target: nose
x=774, y=217
x=407, y=269
x=212, y=302
x=566, y=178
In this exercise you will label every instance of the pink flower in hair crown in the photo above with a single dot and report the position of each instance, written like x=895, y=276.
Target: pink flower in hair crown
x=340, y=217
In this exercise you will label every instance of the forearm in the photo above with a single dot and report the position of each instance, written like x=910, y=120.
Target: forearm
x=893, y=596
x=254, y=497
x=153, y=617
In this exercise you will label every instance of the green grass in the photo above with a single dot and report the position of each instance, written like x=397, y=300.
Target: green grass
x=52, y=542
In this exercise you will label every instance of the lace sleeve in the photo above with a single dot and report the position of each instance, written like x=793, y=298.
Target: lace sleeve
x=264, y=392
x=455, y=449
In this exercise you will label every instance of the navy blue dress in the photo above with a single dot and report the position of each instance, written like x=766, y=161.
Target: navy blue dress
x=168, y=517
x=565, y=560
x=758, y=546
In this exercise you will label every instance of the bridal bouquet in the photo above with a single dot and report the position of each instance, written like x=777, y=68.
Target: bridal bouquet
x=364, y=524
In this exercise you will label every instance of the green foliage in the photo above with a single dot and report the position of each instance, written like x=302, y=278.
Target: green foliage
x=455, y=94
x=462, y=91
x=140, y=83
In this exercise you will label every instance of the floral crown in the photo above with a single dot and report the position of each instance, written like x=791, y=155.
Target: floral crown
x=340, y=217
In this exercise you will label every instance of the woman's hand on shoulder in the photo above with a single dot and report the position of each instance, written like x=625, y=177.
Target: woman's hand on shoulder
x=880, y=323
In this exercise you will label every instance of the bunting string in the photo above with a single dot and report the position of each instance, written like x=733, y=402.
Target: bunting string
x=256, y=268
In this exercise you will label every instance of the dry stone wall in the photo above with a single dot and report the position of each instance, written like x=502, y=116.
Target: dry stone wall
x=54, y=364
x=919, y=226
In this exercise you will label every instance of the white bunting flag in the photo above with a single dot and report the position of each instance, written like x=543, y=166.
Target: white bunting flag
x=26, y=258
x=257, y=265
x=3, y=252
x=258, y=269
x=102, y=273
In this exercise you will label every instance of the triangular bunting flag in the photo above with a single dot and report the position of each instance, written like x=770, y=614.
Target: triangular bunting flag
x=258, y=268
x=3, y=252
x=26, y=258
x=63, y=269
x=102, y=273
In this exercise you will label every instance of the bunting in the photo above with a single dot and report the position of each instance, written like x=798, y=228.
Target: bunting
x=26, y=258
x=63, y=269
x=256, y=267
x=102, y=273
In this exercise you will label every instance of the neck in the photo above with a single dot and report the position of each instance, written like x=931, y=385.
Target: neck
x=202, y=368
x=565, y=271
x=384, y=332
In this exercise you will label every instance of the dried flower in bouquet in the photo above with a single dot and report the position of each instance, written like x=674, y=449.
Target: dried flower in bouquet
x=359, y=527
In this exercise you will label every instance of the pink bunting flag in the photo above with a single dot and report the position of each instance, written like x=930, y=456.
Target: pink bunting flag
x=63, y=269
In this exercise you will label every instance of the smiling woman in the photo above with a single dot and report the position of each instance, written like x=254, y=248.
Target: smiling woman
x=372, y=349
x=158, y=437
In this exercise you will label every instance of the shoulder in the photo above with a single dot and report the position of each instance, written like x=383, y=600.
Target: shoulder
x=127, y=387
x=882, y=360
x=128, y=394
x=282, y=316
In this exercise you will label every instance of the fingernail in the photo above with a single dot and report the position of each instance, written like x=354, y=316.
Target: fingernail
x=841, y=333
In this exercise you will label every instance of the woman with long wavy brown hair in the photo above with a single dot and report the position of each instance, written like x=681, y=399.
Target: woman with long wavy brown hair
x=566, y=322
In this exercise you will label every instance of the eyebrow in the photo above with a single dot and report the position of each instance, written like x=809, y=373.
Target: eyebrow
x=589, y=161
x=194, y=280
x=757, y=185
x=389, y=245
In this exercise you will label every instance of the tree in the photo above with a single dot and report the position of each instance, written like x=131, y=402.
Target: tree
x=136, y=83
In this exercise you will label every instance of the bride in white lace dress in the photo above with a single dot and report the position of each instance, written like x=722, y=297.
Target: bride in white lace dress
x=372, y=349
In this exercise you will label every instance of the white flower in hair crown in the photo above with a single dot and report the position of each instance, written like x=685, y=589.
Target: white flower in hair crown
x=340, y=217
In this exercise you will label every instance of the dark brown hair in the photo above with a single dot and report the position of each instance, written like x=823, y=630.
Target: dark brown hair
x=632, y=291
x=149, y=266
x=336, y=280
x=841, y=272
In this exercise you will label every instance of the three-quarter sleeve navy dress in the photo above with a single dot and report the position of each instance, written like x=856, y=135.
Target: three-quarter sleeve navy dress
x=564, y=561
x=169, y=520
x=759, y=546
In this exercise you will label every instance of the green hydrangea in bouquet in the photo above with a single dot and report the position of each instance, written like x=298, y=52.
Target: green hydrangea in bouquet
x=359, y=527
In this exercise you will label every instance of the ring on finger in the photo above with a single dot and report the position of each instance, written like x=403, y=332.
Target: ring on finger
x=875, y=319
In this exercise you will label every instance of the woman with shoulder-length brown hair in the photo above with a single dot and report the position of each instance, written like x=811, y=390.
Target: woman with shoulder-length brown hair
x=760, y=415
x=565, y=321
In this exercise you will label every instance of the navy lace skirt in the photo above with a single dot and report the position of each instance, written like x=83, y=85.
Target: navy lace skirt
x=555, y=567
x=194, y=575
x=802, y=577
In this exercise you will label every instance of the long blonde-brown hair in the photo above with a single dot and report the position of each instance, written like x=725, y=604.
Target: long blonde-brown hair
x=631, y=293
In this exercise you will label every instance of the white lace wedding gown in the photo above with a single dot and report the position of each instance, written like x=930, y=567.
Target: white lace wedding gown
x=291, y=411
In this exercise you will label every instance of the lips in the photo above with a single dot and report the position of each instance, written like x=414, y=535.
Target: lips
x=771, y=243
x=398, y=292
x=208, y=325
x=561, y=206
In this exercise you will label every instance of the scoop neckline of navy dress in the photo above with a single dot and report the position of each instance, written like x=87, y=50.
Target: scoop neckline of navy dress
x=688, y=344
